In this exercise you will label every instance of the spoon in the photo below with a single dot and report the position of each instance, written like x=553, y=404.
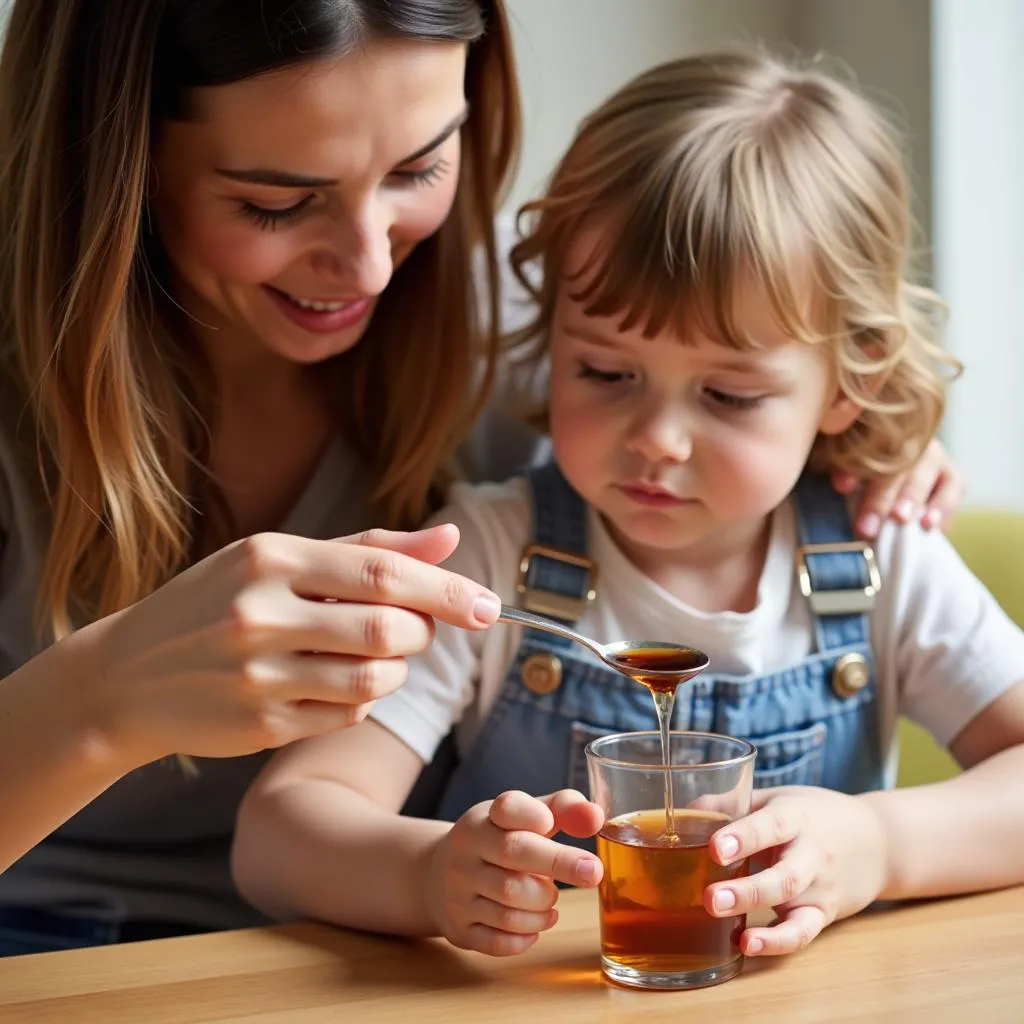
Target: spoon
x=658, y=665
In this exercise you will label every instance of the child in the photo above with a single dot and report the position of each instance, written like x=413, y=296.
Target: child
x=725, y=307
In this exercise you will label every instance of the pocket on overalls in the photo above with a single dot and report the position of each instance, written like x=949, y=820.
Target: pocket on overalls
x=794, y=758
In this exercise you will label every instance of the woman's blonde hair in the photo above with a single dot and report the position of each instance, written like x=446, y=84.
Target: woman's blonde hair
x=99, y=374
x=709, y=174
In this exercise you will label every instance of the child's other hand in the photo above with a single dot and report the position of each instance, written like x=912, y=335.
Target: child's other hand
x=827, y=859
x=491, y=880
x=929, y=492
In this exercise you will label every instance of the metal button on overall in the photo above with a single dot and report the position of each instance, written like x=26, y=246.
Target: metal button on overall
x=542, y=673
x=850, y=675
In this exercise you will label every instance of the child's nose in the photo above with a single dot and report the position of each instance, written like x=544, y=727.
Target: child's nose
x=661, y=434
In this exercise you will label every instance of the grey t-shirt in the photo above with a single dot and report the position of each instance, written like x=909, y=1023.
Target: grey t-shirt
x=156, y=844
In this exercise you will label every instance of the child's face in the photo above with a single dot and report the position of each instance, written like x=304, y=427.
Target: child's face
x=682, y=444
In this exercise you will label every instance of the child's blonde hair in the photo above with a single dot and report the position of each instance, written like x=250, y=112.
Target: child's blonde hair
x=712, y=173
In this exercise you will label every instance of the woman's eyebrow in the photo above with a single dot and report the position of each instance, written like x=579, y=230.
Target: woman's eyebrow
x=276, y=179
x=291, y=179
x=453, y=125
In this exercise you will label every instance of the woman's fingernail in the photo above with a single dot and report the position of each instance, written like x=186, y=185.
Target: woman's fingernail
x=725, y=899
x=905, y=509
x=870, y=525
x=587, y=871
x=487, y=609
x=754, y=946
x=728, y=847
x=933, y=518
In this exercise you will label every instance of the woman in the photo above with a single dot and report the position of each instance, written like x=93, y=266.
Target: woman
x=239, y=322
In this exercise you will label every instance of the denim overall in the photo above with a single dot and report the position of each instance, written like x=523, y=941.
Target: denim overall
x=814, y=723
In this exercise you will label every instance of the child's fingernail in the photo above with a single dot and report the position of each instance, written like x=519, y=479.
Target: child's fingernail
x=754, y=946
x=487, y=609
x=728, y=847
x=725, y=899
x=933, y=518
x=587, y=871
x=905, y=509
x=870, y=525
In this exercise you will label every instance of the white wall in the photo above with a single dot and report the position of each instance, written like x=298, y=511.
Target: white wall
x=979, y=235
x=886, y=44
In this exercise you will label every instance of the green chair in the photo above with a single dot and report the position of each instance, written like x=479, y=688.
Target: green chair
x=991, y=542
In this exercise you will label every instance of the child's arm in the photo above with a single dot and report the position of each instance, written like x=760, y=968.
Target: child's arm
x=966, y=833
x=954, y=660
x=831, y=854
x=319, y=835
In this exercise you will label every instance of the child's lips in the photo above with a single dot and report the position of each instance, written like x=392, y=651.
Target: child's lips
x=652, y=497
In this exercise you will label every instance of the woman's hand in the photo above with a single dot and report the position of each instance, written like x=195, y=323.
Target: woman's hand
x=269, y=640
x=491, y=879
x=928, y=492
x=828, y=859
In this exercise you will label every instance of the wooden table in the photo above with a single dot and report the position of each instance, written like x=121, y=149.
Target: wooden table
x=956, y=961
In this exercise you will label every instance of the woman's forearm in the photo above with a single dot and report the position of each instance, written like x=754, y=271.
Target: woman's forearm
x=962, y=835
x=317, y=849
x=53, y=760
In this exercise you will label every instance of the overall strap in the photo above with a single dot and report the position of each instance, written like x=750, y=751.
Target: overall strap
x=837, y=573
x=556, y=576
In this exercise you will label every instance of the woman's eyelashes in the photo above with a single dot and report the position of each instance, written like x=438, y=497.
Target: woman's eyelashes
x=270, y=218
x=426, y=175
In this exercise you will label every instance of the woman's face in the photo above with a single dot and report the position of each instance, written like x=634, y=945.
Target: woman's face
x=287, y=202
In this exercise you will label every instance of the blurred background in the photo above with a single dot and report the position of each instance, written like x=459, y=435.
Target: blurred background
x=952, y=74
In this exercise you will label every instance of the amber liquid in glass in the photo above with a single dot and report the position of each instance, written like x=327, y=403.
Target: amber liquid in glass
x=652, y=894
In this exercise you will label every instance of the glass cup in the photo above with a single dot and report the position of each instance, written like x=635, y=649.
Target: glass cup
x=655, y=932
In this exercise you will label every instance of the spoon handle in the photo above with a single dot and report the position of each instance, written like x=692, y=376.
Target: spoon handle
x=521, y=618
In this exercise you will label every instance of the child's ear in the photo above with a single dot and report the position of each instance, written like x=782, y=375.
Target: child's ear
x=843, y=411
x=840, y=415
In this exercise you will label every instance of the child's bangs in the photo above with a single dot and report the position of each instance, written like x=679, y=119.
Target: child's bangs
x=681, y=250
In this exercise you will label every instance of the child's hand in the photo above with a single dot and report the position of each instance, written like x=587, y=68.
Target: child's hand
x=827, y=856
x=490, y=884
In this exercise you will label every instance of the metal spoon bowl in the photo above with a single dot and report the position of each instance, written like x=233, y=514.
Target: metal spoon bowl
x=651, y=662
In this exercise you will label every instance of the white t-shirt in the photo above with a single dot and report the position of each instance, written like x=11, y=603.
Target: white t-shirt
x=944, y=649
